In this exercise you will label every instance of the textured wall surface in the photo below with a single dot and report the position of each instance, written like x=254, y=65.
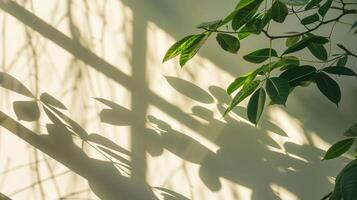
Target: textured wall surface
x=165, y=121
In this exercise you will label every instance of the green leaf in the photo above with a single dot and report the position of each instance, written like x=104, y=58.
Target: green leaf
x=352, y=131
x=282, y=63
x=310, y=19
x=279, y=12
x=192, y=48
x=242, y=94
x=50, y=100
x=339, y=148
x=256, y=106
x=296, y=75
x=278, y=90
x=339, y=70
x=26, y=110
x=266, y=18
x=325, y=7
x=254, y=26
x=266, y=68
x=228, y=42
x=237, y=83
x=260, y=55
x=244, y=12
x=212, y=25
x=305, y=42
x=342, y=61
x=9, y=82
x=312, y=4
x=179, y=46
x=294, y=2
x=318, y=50
x=243, y=33
x=345, y=184
x=289, y=66
x=349, y=184
x=288, y=60
x=242, y=4
x=292, y=41
x=328, y=87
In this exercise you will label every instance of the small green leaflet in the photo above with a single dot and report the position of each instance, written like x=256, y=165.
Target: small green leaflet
x=325, y=7
x=339, y=71
x=312, y=4
x=296, y=75
x=278, y=90
x=260, y=55
x=242, y=94
x=256, y=106
x=279, y=12
x=310, y=19
x=294, y=2
x=282, y=63
x=305, y=42
x=237, y=83
x=339, y=148
x=192, y=48
x=186, y=47
x=318, y=50
x=328, y=87
x=244, y=13
x=243, y=33
x=266, y=18
x=212, y=25
x=254, y=25
x=292, y=41
x=178, y=47
x=228, y=42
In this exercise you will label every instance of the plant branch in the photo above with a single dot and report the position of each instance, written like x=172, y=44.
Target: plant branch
x=346, y=50
x=326, y=196
x=346, y=12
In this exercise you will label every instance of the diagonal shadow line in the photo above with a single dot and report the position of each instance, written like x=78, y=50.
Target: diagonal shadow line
x=4, y=197
x=91, y=59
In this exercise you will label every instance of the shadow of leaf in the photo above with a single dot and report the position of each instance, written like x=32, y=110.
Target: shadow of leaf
x=220, y=94
x=101, y=140
x=116, y=156
x=50, y=100
x=115, y=117
x=9, y=82
x=59, y=134
x=72, y=124
x=178, y=143
x=26, y=110
x=118, y=115
x=171, y=195
x=189, y=90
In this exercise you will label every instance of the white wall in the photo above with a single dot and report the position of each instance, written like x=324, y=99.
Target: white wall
x=173, y=115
